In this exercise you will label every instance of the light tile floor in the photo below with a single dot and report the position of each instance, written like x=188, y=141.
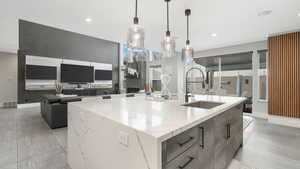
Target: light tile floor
x=26, y=142
x=269, y=146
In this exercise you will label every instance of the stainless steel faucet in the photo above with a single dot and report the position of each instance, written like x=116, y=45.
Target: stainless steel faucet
x=187, y=82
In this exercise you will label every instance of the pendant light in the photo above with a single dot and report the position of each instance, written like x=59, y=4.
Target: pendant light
x=187, y=51
x=168, y=43
x=136, y=34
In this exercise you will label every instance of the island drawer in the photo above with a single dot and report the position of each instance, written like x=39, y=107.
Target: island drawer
x=187, y=160
x=180, y=143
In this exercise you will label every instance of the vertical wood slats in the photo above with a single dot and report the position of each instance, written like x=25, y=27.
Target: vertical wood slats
x=284, y=75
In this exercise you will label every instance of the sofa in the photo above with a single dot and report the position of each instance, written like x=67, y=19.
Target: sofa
x=54, y=110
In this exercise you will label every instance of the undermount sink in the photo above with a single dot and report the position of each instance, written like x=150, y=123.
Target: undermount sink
x=203, y=104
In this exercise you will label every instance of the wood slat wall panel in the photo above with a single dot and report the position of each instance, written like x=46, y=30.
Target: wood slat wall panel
x=284, y=75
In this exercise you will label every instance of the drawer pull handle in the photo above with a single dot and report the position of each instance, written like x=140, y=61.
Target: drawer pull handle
x=228, y=131
x=202, y=132
x=185, y=142
x=187, y=163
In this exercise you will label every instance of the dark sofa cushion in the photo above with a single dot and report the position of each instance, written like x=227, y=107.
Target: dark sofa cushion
x=70, y=99
x=51, y=98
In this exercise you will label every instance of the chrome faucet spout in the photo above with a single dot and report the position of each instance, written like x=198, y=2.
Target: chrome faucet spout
x=187, y=82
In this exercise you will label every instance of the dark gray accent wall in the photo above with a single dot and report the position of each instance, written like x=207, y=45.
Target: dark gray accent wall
x=40, y=40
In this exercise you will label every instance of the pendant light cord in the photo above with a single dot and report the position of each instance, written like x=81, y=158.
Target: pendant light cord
x=188, y=30
x=187, y=14
x=168, y=28
x=136, y=19
x=136, y=7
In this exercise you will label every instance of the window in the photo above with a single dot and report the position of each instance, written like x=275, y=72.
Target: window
x=262, y=73
x=235, y=83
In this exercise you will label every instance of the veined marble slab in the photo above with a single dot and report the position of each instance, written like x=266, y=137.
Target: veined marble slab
x=127, y=132
x=159, y=119
x=94, y=143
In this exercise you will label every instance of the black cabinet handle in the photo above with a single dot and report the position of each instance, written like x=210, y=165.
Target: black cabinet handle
x=202, y=132
x=185, y=142
x=106, y=97
x=130, y=95
x=228, y=130
x=187, y=163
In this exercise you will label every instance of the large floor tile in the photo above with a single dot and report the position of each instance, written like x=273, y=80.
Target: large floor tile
x=61, y=136
x=37, y=144
x=8, y=154
x=32, y=129
x=53, y=160
x=262, y=160
x=238, y=165
x=30, y=124
x=7, y=119
x=7, y=111
x=28, y=118
x=271, y=147
x=10, y=166
x=34, y=137
x=8, y=141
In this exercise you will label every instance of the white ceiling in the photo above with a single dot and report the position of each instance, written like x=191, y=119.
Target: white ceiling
x=234, y=21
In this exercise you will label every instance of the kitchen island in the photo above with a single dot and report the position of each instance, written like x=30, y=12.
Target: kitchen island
x=143, y=133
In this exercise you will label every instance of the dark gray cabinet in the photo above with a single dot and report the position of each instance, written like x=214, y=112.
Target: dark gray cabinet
x=228, y=135
x=206, y=145
x=210, y=145
x=235, y=139
x=187, y=160
x=180, y=143
x=220, y=133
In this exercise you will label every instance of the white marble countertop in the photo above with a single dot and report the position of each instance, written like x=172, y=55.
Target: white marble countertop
x=160, y=119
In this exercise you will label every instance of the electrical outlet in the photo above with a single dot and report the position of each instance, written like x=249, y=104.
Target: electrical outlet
x=124, y=138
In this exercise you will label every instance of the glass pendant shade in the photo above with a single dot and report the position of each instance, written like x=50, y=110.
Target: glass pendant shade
x=136, y=37
x=168, y=45
x=187, y=55
x=136, y=33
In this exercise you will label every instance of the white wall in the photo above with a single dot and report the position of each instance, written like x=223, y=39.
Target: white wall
x=8, y=77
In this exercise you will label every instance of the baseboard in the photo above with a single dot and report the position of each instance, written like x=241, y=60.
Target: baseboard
x=29, y=105
x=284, y=121
x=8, y=105
x=259, y=115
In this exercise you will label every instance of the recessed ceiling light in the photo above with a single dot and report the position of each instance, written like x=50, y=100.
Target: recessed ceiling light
x=88, y=20
x=299, y=14
x=264, y=13
x=213, y=34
